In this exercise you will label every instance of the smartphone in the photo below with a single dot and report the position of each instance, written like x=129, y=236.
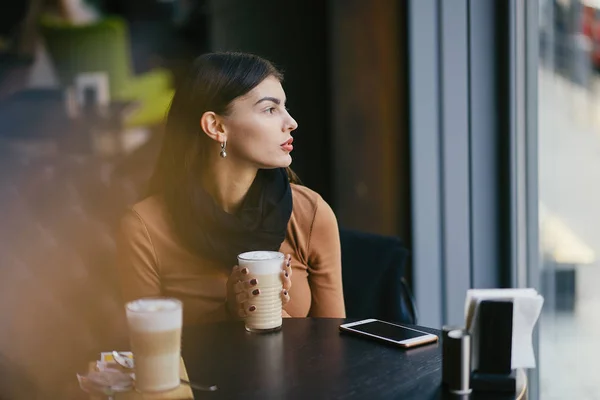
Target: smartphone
x=396, y=334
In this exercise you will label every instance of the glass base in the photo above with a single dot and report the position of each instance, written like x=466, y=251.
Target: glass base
x=157, y=391
x=254, y=330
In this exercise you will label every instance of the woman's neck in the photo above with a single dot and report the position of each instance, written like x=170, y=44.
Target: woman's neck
x=228, y=184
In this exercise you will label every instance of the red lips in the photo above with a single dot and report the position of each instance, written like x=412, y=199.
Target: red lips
x=287, y=145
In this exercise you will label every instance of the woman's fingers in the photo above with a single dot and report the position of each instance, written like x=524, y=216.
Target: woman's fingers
x=233, y=277
x=286, y=273
x=246, y=310
x=237, y=274
x=242, y=286
x=285, y=280
x=237, y=291
x=241, y=297
x=285, y=296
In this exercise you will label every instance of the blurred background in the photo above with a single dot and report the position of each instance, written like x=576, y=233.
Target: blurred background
x=569, y=172
x=416, y=120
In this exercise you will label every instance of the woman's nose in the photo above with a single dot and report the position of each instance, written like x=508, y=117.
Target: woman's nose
x=292, y=124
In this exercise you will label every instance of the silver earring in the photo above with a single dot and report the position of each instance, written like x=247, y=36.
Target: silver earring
x=223, y=153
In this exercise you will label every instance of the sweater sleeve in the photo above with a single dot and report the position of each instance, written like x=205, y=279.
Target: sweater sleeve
x=137, y=262
x=325, y=264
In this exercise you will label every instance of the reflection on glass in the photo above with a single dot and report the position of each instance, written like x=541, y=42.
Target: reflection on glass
x=569, y=184
x=106, y=383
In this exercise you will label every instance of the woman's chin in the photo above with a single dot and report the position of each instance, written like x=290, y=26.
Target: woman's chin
x=283, y=162
x=288, y=162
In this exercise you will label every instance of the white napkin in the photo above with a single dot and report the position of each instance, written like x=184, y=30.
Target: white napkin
x=527, y=305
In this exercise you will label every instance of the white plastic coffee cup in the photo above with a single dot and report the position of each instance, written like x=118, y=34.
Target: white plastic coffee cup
x=265, y=267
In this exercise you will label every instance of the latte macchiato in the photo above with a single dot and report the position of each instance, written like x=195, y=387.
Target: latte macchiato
x=155, y=335
x=266, y=267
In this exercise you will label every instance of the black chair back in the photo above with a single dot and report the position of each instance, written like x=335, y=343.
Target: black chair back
x=373, y=277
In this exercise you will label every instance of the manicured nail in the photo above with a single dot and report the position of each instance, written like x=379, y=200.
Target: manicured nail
x=252, y=309
x=286, y=274
x=253, y=281
x=285, y=293
x=256, y=292
x=245, y=271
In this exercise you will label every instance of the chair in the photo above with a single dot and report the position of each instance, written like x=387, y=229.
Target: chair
x=373, y=277
x=104, y=46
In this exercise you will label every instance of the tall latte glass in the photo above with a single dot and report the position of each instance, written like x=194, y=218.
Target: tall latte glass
x=155, y=336
x=265, y=267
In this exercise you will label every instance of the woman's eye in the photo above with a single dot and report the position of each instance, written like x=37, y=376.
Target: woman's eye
x=271, y=110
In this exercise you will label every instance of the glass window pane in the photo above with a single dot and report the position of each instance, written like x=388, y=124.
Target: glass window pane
x=569, y=185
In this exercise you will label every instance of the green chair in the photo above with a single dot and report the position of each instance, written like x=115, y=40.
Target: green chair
x=104, y=46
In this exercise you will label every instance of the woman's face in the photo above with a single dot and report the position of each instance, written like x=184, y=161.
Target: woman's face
x=259, y=127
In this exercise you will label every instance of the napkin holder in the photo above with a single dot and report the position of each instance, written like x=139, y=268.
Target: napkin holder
x=492, y=370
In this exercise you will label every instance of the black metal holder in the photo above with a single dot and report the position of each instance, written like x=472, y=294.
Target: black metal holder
x=499, y=383
x=493, y=371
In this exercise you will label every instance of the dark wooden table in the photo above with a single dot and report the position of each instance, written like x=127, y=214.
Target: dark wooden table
x=311, y=359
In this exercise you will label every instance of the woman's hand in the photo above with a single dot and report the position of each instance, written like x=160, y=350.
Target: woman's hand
x=241, y=290
x=286, y=279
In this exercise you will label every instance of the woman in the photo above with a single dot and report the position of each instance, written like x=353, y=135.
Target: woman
x=222, y=187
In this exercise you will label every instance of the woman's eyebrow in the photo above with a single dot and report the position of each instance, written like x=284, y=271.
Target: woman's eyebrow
x=268, y=98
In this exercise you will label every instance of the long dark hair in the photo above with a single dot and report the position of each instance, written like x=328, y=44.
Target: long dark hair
x=212, y=83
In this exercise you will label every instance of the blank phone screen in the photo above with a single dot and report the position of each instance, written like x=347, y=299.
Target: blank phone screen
x=394, y=332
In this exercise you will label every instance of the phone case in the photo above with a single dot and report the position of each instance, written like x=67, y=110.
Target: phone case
x=419, y=341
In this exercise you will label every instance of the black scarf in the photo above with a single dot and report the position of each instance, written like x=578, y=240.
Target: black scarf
x=259, y=224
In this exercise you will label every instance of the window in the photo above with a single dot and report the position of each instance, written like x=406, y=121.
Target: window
x=568, y=120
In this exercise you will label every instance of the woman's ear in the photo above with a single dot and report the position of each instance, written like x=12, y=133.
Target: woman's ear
x=213, y=127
